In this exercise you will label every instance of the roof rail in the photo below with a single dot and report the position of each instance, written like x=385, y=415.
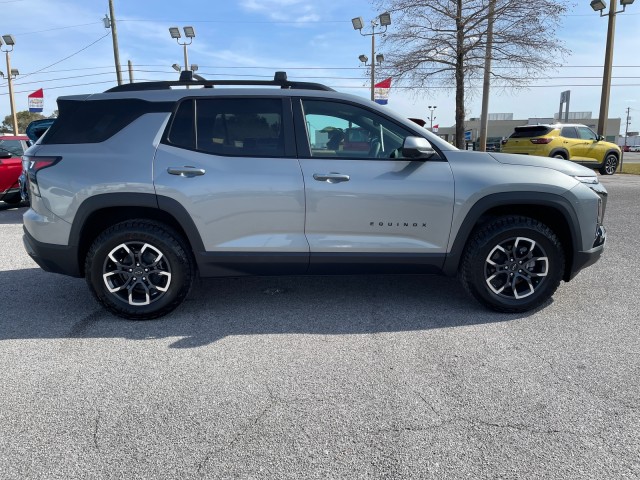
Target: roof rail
x=279, y=80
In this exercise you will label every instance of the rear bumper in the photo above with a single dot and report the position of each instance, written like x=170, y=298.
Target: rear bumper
x=61, y=259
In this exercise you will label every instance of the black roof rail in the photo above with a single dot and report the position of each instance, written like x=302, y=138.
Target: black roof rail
x=279, y=80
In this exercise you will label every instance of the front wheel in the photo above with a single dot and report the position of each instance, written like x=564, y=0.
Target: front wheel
x=512, y=264
x=139, y=269
x=610, y=164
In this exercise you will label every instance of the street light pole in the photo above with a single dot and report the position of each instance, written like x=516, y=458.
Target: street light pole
x=189, y=33
x=373, y=63
x=10, y=42
x=599, y=6
x=358, y=24
x=431, y=117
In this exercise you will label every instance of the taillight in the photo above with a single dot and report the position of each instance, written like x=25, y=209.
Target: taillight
x=32, y=165
x=541, y=141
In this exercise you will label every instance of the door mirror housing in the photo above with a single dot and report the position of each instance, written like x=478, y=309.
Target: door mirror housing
x=600, y=138
x=4, y=154
x=417, y=148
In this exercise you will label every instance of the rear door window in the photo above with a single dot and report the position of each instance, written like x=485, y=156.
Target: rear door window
x=568, y=132
x=249, y=127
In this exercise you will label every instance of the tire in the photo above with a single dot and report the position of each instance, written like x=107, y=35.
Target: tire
x=12, y=199
x=512, y=281
x=559, y=155
x=609, y=165
x=139, y=269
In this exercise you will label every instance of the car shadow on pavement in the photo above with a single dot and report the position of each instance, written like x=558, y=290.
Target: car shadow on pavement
x=36, y=304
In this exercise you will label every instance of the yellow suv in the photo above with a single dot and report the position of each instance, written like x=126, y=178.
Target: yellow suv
x=569, y=141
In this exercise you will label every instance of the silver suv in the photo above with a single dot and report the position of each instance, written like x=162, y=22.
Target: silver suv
x=143, y=187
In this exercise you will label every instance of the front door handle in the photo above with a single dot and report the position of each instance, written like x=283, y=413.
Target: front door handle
x=186, y=171
x=332, y=177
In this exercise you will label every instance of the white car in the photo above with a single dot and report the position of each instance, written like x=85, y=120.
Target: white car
x=634, y=148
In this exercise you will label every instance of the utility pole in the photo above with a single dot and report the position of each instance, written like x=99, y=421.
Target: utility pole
x=606, y=75
x=626, y=129
x=114, y=37
x=130, y=71
x=484, y=116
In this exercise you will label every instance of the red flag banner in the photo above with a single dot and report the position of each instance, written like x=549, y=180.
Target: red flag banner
x=36, y=101
x=381, y=91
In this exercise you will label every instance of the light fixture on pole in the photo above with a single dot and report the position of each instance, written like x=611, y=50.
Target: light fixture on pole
x=432, y=117
x=189, y=33
x=7, y=42
x=599, y=6
x=382, y=20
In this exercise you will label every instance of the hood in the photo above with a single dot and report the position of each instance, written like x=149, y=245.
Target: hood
x=565, y=166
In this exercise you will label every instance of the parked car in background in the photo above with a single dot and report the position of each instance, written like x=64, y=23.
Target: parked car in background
x=11, y=149
x=567, y=141
x=634, y=148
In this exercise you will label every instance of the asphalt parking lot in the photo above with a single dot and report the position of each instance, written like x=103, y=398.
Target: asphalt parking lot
x=350, y=377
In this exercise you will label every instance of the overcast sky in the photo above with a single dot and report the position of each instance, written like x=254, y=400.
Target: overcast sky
x=63, y=47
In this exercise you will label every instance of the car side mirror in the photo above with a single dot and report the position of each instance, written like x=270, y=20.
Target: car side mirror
x=417, y=148
x=600, y=138
x=5, y=154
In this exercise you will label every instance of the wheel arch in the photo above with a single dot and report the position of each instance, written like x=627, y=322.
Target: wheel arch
x=101, y=211
x=553, y=210
x=560, y=150
x=611, y=151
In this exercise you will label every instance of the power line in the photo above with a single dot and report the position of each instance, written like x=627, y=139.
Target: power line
x=65, y=58
x=368, y=87
x=273, y=69
x=321, y=77
x=57, y=28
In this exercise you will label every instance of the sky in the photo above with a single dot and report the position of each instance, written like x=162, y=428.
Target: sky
x=63, y=47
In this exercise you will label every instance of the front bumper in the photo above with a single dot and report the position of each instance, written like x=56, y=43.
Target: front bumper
x=582, y=260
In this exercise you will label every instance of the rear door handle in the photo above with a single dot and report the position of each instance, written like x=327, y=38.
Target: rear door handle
x=332, y=177
x=186, y=171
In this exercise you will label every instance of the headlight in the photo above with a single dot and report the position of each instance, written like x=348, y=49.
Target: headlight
x=590, y=180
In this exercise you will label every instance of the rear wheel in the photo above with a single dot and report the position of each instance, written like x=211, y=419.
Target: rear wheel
x=512, y=264
x=139, y=269
x=610, y=164
x=559, y=155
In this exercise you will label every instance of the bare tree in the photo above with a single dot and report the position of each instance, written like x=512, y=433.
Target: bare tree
x=443, y=43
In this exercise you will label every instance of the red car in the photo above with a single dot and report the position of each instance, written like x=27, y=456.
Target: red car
x=11, y=149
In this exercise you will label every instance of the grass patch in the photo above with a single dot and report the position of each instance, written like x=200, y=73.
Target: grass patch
x=632, y=168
